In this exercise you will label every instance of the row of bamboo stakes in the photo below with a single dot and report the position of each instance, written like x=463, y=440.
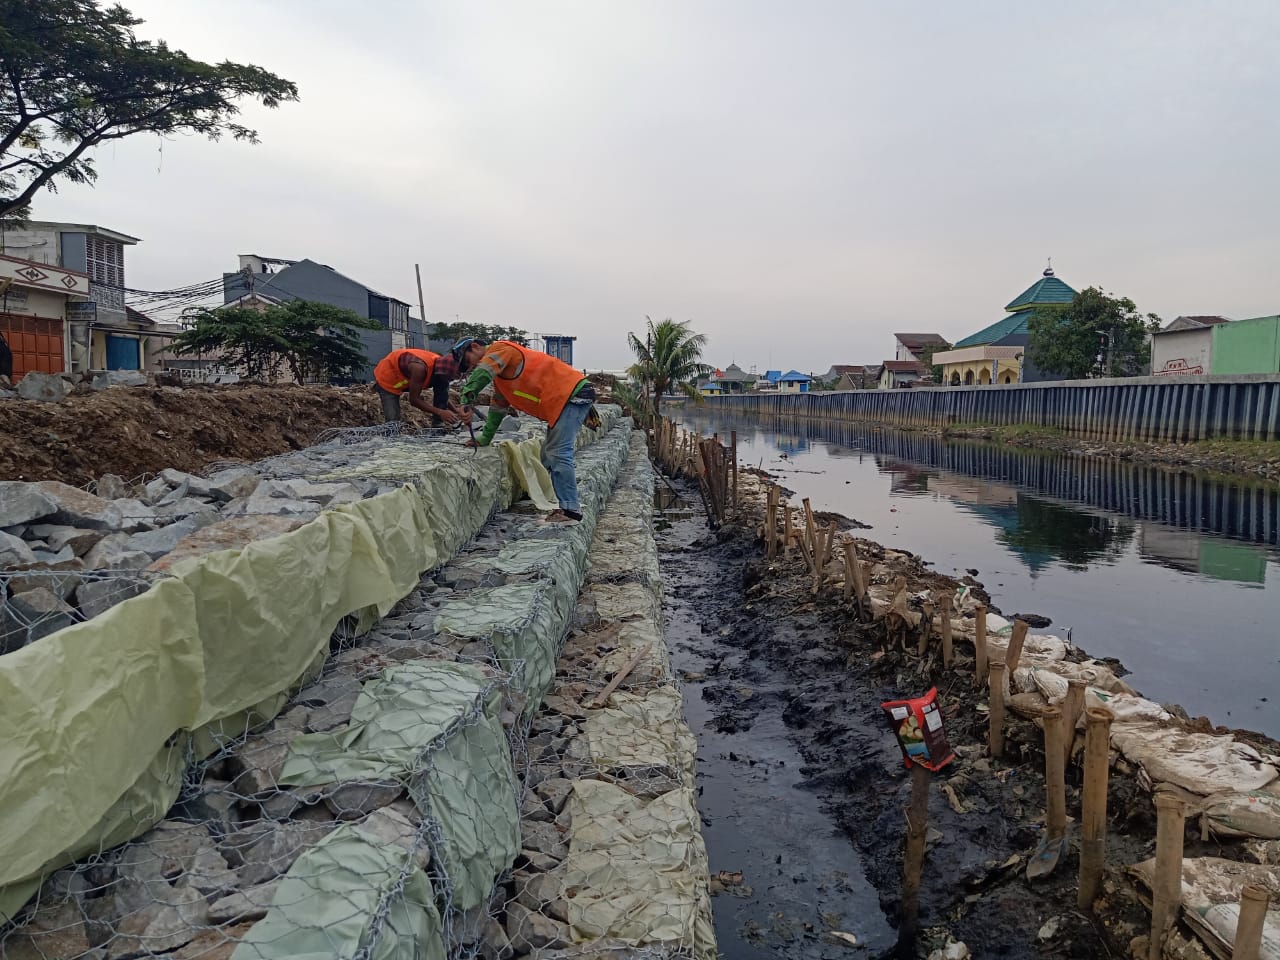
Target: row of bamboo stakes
x=712, y=464
x=816, y=545
x=715, y=468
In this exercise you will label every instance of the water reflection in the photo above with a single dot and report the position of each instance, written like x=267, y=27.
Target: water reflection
x=1049, y=507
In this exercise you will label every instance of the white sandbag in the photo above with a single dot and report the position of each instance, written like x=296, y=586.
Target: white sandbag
x=1127, y=708
x=1200, y=763
x=1252, y=813
x=1030, y=705
x=1223, y=918
x=1036, y=648
x=1211, y=896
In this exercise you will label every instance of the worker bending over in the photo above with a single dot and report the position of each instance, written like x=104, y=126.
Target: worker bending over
x=413, y=371
x=542, y=386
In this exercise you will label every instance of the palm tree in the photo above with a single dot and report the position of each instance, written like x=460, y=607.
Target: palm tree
x=669, y=357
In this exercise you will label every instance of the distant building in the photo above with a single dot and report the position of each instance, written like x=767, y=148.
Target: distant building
x=559, y=346
x=997, y=353
x=1184, y=346
x=912, y=346
x=852, y=376
x=709, y=388
x=1246, y=346
x=94, y=331
x=769, y=381
x=283, y=280
x=34, y=302
x=793, y=381
x=895, y=374
x=733, y=379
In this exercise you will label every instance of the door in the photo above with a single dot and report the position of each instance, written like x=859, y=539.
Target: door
x=36, y=343
x=122, y=353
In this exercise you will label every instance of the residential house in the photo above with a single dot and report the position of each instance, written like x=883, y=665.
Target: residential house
x=559, y=346
x=733, y=379
x=1184, y=346
x=914, y=346
x=34, y=300
x=284, y=280
x=997, y=353
x=896, y=374
x=98, y=330
x=793, y=381
x=852, y=376
x=769, y=381
x=709, y=388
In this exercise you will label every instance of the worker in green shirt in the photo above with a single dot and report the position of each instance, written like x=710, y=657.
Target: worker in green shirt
x=542, y=386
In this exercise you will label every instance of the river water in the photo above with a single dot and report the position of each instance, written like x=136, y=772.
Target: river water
x=1175, y=573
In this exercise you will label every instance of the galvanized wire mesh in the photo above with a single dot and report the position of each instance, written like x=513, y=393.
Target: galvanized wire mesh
x=379, y=813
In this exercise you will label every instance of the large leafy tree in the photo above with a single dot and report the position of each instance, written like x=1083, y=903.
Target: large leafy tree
x=74, y=75
x=926, y=357
x=312, y=341
x=668, y=358
x=1094, y=335
x=481, y=331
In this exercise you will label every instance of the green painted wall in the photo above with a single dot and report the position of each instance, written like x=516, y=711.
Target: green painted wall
x=1247, y=346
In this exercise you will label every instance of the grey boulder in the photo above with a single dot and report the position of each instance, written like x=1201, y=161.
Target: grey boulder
x=22, y=502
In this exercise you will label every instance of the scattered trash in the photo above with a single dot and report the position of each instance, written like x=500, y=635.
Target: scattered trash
x=955, y=950
x=839, y=936
x=917, y=723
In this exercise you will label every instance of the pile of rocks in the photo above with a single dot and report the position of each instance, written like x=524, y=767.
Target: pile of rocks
x=55, y=387
x=68, y=555
x=195, y=884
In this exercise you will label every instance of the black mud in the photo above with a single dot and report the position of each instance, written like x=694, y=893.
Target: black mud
x=802, y=787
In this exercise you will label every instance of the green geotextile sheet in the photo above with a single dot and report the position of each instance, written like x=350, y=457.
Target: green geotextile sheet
x=435, y=727
x=325, y=905
x=92, y=717
x=636, y=869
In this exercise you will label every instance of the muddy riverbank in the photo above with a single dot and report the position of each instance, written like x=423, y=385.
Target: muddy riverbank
x=767, y=663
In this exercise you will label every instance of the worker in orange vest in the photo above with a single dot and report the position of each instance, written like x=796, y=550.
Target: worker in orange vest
x=545, y=387
x=412, y=371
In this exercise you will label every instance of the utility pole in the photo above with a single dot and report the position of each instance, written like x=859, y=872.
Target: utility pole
x=422, y=308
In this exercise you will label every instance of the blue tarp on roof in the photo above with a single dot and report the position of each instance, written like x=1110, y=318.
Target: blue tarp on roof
x=795, y=376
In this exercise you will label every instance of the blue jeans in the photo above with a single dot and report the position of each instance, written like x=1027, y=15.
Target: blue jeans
x=557, y=453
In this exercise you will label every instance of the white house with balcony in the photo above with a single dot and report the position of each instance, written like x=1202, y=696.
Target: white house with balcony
x=100, y=332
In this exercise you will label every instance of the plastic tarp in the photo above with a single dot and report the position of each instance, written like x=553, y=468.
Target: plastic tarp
x=435, y=727
x=637, y=870
x=325, y=906
x=91, y=717
x=1211, y=896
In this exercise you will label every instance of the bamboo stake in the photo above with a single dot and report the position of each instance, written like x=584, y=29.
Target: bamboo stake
x=808, y=520
x=926, y=628
x=1054, y=773
x=913, y=861
x=1072, y=707
x=1254, y=899
x=995, y=714
x=945, y=628
x=851, y=578
x=1166, y=885
x=980, y=641
x=1093, y=842
x=736, y=504
x=1016, y=639
x=787, y=514
x=771, y=524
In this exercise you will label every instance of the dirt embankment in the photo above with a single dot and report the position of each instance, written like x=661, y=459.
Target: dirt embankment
x=129, y=431
x=986, y=816
x=1255, y=458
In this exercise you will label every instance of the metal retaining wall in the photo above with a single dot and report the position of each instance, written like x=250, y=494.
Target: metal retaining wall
x=1169, y=409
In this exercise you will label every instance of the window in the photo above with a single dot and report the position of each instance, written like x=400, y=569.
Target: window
x=399, y=319
x=105, y=261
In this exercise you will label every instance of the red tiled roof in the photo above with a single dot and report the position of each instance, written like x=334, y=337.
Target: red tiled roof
x=1207, y=321
x=904, y=366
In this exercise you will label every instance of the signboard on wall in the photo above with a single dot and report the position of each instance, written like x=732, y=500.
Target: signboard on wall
x=88, y=310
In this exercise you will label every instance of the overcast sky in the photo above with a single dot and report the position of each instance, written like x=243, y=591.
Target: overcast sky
x=800, y=180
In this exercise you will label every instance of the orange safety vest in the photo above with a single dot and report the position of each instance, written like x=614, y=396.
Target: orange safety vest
x=543, y=386
x=391, y=378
